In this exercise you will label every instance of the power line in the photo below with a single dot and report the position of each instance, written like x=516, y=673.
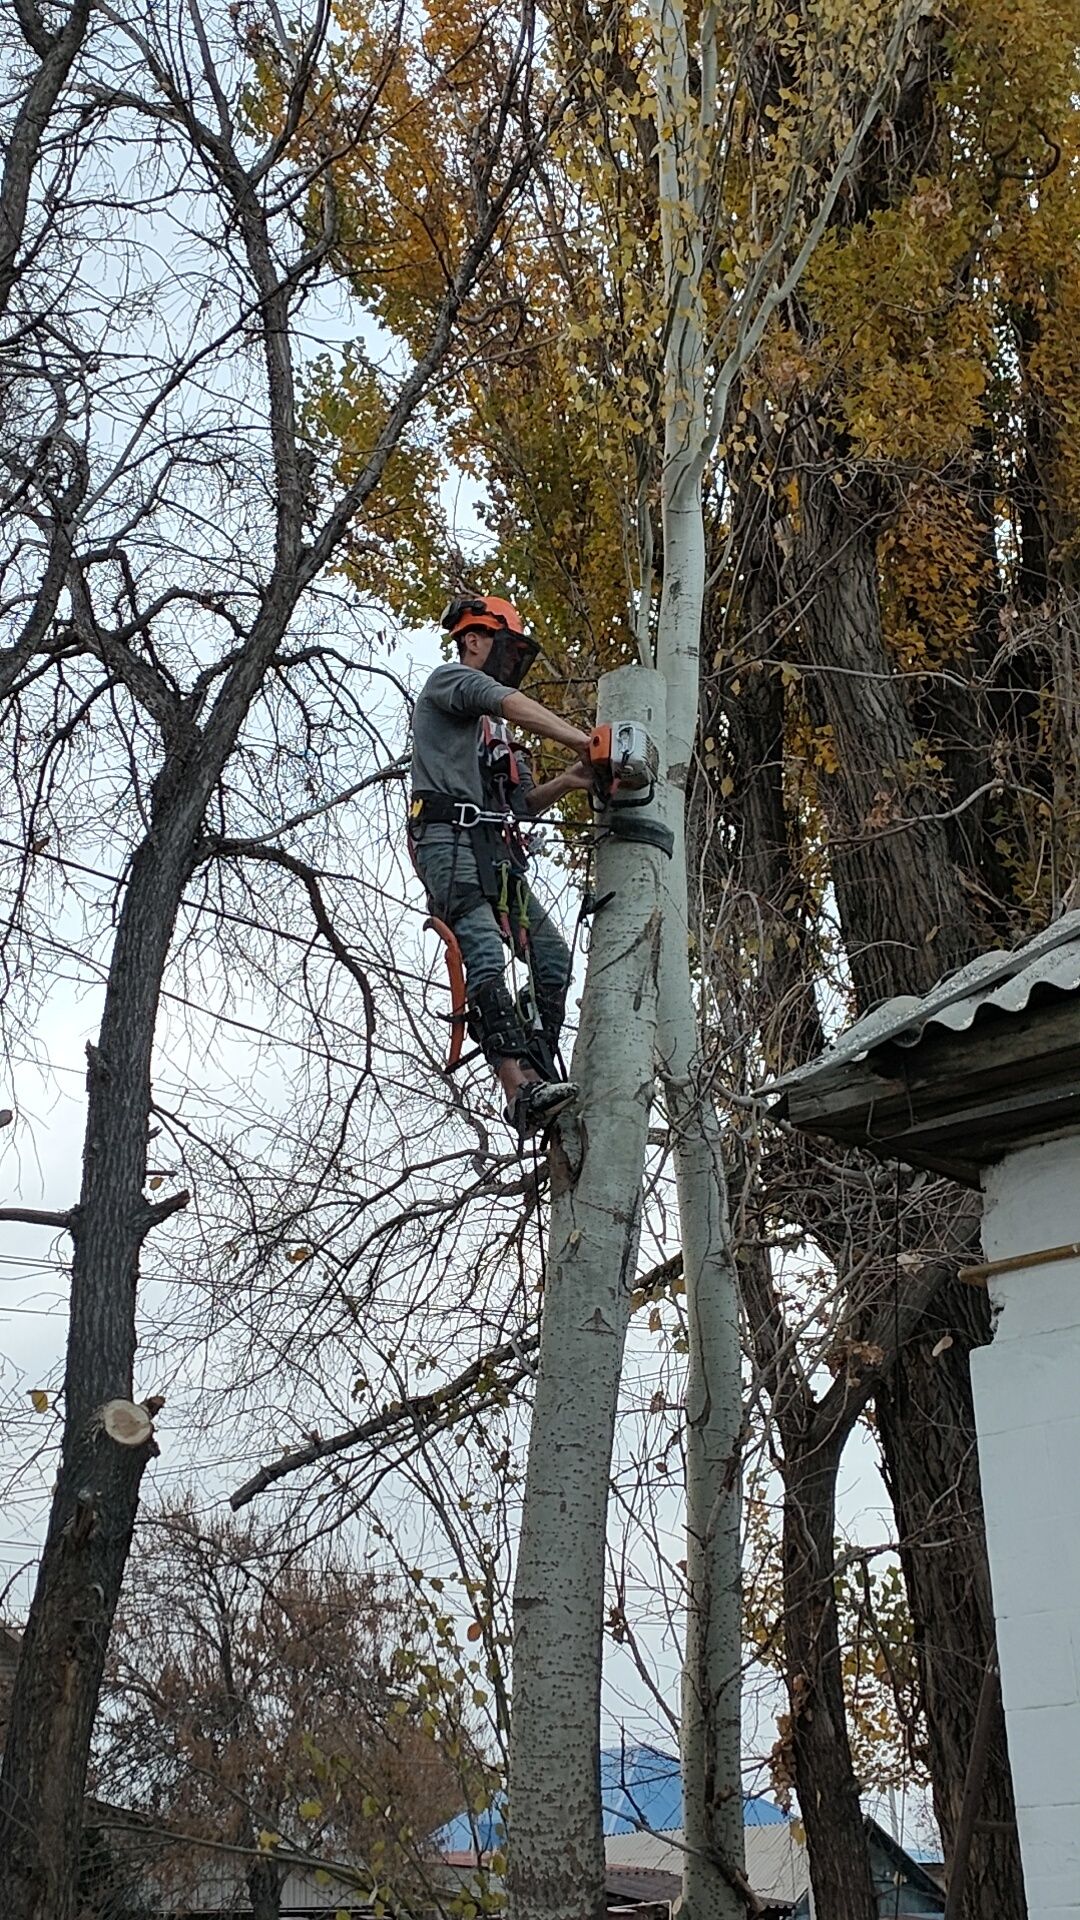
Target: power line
x=189, y=906
x=319, y=1053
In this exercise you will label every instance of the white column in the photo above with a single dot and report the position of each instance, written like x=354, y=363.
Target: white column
x=1027, y=1408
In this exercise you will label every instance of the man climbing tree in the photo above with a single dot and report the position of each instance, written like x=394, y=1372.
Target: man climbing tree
x=472, y=788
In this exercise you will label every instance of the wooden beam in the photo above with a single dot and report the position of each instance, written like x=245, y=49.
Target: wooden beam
x=1045, y=1257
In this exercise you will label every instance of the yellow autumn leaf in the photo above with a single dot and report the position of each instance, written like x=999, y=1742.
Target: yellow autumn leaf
x=268, y=1841
x=309, y=1809
x=40, y=1400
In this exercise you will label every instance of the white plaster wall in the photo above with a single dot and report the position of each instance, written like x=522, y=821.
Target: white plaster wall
x=1027, y=1409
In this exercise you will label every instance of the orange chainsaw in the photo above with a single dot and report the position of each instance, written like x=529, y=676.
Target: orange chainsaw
x=624, y=763
x=625, y=767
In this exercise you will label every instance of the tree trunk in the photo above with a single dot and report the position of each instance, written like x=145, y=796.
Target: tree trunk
x=97, y=1492
x=714, y=1881
x=714, y=1878
x=56, y=52
x=888, y=880
x=93, y=1512
x=901, y=904
x=557, y=1869
x=828, y=1791
x=264, y=1883
x=772, y=900
x=927, y=1426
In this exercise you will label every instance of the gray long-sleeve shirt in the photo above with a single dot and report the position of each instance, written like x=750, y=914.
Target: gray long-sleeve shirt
x=445, y=730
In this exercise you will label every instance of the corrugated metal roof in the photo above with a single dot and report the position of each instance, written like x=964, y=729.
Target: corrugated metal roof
x=660, y=1850
x=1001, y=981
x=642, y=1883
x=776, y=1865
x=219, y=1886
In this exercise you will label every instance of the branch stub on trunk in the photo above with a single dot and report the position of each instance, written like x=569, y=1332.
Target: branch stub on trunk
x=129, y=1425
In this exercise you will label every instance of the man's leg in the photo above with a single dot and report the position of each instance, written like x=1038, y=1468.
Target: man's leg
x=550, y=966
x=494, y=1020
x=449, y=873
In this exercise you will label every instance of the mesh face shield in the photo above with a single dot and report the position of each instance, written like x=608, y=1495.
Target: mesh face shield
x=511, y=656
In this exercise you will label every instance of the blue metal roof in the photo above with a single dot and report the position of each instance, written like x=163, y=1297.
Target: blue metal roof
x=639, y=1787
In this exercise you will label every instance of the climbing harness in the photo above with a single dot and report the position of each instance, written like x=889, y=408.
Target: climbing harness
x=500, y=850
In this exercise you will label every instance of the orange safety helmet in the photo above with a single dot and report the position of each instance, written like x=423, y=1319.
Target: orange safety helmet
x=513, y=650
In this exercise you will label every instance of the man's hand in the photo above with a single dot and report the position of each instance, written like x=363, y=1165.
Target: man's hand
x=577, y=779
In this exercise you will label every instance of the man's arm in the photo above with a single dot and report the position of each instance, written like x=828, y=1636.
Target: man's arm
x=523, y=712
x=574, y=780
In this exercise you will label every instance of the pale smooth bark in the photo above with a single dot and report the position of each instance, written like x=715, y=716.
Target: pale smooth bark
x=714, y=1879
x=597, y=1157
x=557, y=1858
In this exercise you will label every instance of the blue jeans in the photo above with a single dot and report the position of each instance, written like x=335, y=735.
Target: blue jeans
x=447, y=866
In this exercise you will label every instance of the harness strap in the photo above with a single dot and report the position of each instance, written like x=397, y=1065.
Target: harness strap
x=448, y=810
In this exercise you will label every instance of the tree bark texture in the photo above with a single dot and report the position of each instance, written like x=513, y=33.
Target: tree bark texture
x=264, y=1884
x=714, y=1878
x=556, y=1844
x=892, y=880
x=772, y=902
x=93, y=1511
x=901, y=904
x=927, y=1424
x=828, y=1791
x=714, y=1881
